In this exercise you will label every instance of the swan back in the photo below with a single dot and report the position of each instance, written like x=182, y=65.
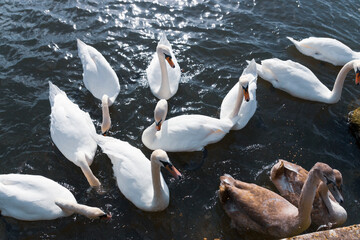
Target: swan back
x=98, y=76
x=295, y=79
x=326, y=49
x=32, y=197
x=186, y=133
x=247, y=108
x=71, y=129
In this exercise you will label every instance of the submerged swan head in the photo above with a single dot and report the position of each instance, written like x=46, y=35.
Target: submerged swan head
x=99, y=214
x=329, y=177
x=165, y=51
x=160, y=113
x=160, y=158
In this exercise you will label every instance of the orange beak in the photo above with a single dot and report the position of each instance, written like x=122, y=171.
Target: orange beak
x=158, y=126
x=169, y=60
x=176, y=174
x=357, y=78
x=246, y=95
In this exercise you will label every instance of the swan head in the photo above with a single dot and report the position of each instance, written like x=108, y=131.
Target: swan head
x=97, y=213
x=338, y=180
x=161, y=158
x=165, y=51
x=328, y=176
x=160, y=113
x=356, y=65
x=244, y=83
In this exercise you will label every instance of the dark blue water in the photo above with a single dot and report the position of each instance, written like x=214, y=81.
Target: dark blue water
x=212, y=41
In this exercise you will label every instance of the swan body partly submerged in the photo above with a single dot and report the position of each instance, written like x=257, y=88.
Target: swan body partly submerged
x=247, y=109
x=163, y=78
x=34, y=197
x=258, y=209
x=139, y=179
x=99, y=78
x=72, y=131
x=326, y=49
x=301, y=82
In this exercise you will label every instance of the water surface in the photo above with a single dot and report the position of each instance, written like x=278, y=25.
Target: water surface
x=212, y=41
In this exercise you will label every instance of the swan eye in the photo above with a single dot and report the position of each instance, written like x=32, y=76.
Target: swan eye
x=158, y=123
x=167, y=56
x=165, y=164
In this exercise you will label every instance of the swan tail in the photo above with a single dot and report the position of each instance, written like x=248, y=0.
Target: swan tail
x=53, y=91
x=296, y=43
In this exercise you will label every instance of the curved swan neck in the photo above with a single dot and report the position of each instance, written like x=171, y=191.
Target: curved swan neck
x=106, y=121
x=164, y=90
x=239, y=100
x=324, y=194
x=307, y=196
x=158, y=191
x=339, y=82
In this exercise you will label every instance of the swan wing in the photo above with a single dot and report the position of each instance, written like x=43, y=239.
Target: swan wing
x=294, y=79
x=132, y=170
x=98, y=76
x=325, y=49
x=31, y=197
x=255, y=207
x=289, y=179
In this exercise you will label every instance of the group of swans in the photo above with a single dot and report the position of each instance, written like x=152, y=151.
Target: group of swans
x=140, y=180
x=186, y=133
x=258, y=209
x=306, y=197
x=32, y=197
x=301, y=82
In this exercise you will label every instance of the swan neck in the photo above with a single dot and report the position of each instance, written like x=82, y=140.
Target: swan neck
x=237, y=105
x=324, y=194
x=106, y=121
x=158, y=192
x=164, y=90
x=73, y=207
x=307, y=197
x=339, y=82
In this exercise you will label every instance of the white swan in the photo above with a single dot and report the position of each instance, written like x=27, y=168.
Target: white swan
x=299, y=81
x=247, y=109
x=100, y=79
x=326, y=49
x=163, y=79
x=34, y=197
x=72, y=131
x=139, y=179
x=187, y=133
